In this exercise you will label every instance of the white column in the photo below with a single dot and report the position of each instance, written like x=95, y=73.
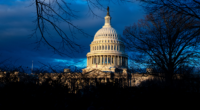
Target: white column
x=108, y=59
x=96, y=59
x=118, y=61
x=114, y=60
x=103, y=60
x=121, y=61
x=111, y=60
x=100, y=60
x=87, y=61
x=93, y=60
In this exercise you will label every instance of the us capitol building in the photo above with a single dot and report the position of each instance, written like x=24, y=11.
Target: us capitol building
x=107, y=50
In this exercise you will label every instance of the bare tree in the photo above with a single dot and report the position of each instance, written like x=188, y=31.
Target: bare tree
x=52, y=12
x=185, y=7
x=166, y=41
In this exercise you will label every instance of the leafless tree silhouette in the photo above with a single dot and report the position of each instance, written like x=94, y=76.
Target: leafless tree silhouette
x=185, y=7
x=166, y=41
x=52, y=12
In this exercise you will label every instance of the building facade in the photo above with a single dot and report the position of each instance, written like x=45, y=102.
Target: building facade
x=107, y=50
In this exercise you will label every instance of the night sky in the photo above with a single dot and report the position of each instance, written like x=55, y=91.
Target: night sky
x=16, y=24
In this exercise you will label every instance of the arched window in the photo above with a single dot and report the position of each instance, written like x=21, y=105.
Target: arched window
x=95, y=48
x=111, y=47
x=117, y=47
x=106, y=47
x=114, y=47
x=105, y=40
x=99, y=47
x=102, y=47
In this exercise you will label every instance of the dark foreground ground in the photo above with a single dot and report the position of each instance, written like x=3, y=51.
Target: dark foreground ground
x=183, y=95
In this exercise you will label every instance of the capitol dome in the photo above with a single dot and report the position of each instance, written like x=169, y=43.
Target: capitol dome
x=107, y=50
x=107, y=33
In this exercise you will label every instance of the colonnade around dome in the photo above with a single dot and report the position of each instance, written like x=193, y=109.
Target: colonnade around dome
x=107, y=60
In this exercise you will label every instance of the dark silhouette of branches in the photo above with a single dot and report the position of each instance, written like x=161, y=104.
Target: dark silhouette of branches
x=186, y=7
x=169, y=40
x=51, y=68
x=47, y=13
x=51, y=12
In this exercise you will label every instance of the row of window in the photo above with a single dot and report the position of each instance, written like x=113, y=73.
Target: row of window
x=104, y=41
x=112, y=47
x=112, y=35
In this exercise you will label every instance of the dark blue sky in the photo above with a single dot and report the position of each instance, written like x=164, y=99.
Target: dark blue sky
x=16, y=24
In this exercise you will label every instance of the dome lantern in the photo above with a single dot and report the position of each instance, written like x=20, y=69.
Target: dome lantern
x=107, y=19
